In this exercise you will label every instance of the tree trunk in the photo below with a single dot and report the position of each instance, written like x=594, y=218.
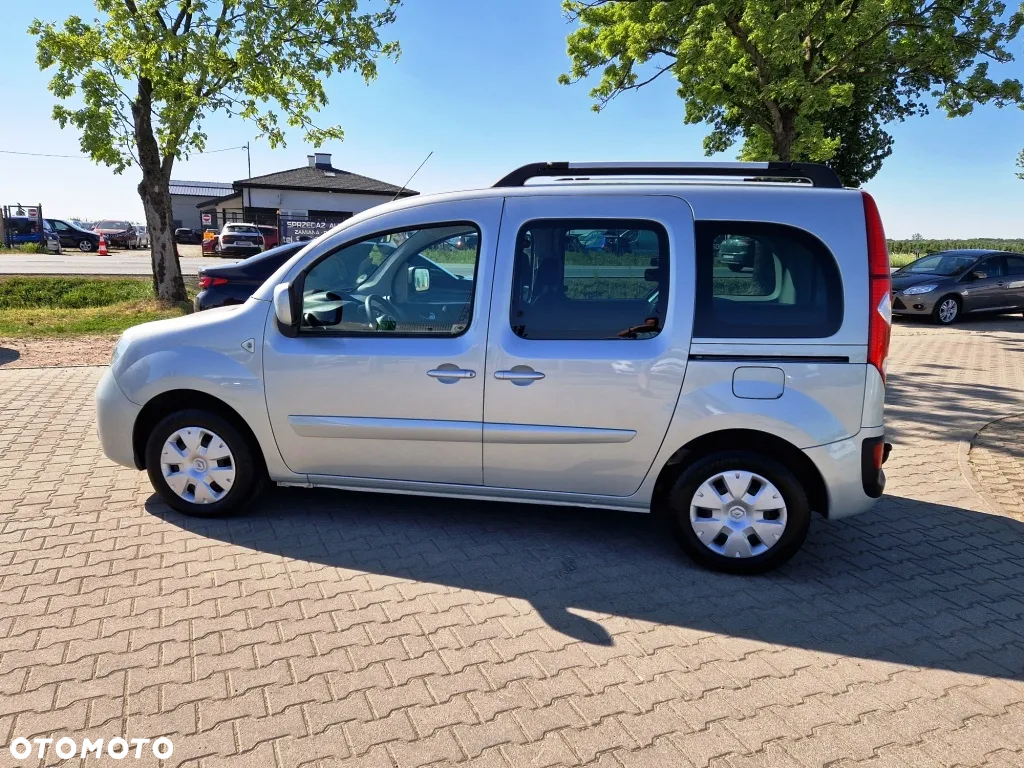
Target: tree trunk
x=154, y=189
x=156, y=199
x=784, y=136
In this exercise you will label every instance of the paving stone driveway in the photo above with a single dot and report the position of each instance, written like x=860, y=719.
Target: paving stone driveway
x=328, y=628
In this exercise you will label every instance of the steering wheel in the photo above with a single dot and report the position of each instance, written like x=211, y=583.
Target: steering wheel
x=373, y=300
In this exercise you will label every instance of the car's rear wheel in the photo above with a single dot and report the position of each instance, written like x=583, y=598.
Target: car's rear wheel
x=86, y=246
x=739, y=512
x=201, y=465
x=947, y=310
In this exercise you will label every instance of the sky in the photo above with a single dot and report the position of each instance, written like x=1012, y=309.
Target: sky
x=476, y=84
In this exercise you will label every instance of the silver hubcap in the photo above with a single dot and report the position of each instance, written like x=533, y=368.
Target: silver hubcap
x=738, y=514
x=85, y=245
x=197, y=465
x=947, y=311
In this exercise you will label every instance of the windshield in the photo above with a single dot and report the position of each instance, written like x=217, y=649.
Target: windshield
x=113, y=225
x=942, y=264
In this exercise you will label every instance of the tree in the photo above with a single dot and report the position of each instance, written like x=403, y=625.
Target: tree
x=814, y=81
x=146, y=74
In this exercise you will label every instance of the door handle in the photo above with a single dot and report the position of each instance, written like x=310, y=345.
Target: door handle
x=520, y=375
x=451, y=373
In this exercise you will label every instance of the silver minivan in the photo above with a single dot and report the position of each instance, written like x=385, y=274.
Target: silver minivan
x=576, y=334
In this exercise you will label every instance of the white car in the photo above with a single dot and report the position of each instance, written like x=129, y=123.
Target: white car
x=142, y=236
x=239, y=240
x=641, y=375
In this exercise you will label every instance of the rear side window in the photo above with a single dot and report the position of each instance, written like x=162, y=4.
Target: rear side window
x=757, y=280
x=590, y=279
x=1015, y=265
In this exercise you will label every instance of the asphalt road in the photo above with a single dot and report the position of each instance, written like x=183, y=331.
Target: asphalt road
x=74, y=263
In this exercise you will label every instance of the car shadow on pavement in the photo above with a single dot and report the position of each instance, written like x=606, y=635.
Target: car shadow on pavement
x=910, y=583
x=8, y=355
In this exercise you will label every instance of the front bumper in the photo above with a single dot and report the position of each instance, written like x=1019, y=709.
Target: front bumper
x=115, y=420
x=919, y=304
x=841, y=467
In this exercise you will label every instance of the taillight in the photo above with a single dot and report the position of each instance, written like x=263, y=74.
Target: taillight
x=205, y=281
x=880, y=302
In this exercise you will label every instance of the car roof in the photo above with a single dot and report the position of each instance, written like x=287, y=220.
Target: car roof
x=976, y=252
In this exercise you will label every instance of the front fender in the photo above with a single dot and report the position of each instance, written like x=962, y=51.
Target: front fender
x=204, y=353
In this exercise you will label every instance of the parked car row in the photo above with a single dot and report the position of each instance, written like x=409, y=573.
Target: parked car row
x=118, y=234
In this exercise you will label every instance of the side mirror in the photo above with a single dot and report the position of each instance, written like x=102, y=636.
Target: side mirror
x=283, y=309
x=421, y=279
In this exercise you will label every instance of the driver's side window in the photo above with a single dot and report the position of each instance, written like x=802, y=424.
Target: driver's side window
x=415, y=282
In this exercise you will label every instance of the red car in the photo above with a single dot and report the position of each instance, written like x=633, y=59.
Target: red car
x=119, y=234
x=271, y=237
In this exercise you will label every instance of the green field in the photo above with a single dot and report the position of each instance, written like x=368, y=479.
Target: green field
x=56, y=306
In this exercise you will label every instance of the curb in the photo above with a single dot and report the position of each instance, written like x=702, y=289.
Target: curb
x=963, y=453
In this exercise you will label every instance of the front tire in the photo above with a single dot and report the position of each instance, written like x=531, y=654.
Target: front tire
x=739, y=512
x=201, y=465
x=86, y=246
x=947, y=310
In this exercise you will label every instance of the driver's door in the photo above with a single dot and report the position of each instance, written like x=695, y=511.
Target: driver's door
x=392, y=389
x=985, y=286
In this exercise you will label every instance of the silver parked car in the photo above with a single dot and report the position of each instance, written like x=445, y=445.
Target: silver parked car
x=528, y=367
x=142, y=236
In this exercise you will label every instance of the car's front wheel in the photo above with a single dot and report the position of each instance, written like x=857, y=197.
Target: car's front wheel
x=86, y=246
x=947, y=310
x=201, y=465
x=739, y=512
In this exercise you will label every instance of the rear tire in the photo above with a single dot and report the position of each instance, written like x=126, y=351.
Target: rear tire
x=756, y=525
x=201, y=465
x=947, y=310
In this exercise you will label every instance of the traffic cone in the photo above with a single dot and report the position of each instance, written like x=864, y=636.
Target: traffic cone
x=103, y=246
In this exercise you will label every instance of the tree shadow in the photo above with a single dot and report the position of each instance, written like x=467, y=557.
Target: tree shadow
x=928, y=404
x=1012, y=323
x=910, y=583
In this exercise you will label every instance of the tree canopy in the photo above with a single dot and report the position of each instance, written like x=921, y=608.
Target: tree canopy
x=815, y=81
x=140, y=80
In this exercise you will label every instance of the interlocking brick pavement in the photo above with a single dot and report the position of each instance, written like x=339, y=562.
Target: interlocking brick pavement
x=997, y=459
x=329, y=628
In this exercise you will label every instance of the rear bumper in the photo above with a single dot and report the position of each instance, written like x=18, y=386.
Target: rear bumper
x=115, y=420
x=842, y=468
x=239, y=250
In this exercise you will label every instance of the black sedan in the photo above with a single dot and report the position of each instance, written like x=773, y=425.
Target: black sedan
x=234, y=283
x=73, y=236
x=186, y=236
x=946, y=285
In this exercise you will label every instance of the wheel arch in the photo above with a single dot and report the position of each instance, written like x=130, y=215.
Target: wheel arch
x=179, y=399
x=747, y=440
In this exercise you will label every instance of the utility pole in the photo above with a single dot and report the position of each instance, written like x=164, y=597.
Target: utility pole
x=248, y=163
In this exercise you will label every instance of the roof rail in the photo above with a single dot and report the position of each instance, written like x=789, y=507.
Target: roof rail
x=817, y=174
